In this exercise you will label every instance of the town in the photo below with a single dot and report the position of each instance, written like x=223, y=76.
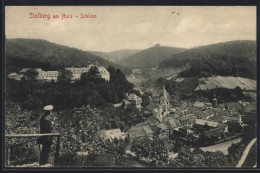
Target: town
x=198, y=123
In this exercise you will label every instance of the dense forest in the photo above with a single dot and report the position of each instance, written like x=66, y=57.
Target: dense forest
x=115, y=56
x=150, y=57
x=235, y=58
x=36, y=53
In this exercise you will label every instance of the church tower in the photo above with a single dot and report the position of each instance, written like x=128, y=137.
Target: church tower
x=164, y=101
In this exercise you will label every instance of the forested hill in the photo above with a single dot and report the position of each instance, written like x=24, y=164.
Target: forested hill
x=115, y=56
x=150, y=57
x=234, y=58
x=48, y=56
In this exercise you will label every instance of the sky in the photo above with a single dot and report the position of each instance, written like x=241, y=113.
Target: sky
x=132, y=27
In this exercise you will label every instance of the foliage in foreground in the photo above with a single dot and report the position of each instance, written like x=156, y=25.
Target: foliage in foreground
x=155, y=150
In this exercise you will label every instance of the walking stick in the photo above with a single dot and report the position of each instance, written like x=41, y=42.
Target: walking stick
x=39, y=153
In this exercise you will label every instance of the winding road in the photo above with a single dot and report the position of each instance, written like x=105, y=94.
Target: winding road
x=245, y=153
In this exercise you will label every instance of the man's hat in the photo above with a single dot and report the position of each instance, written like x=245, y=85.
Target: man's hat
x=48, y=108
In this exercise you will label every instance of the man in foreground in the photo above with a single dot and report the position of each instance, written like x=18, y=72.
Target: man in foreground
x=45, y=141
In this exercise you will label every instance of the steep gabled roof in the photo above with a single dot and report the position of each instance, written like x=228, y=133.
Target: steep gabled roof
x=209, y=123
x=152, y=119
x=170, y=123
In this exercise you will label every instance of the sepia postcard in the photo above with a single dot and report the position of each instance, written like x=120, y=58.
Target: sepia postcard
x=130, y=87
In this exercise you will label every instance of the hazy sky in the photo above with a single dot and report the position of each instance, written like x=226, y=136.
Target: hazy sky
x=132, y=27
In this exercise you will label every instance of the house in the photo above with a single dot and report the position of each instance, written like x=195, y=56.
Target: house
x=220, y=119
x=198, y=114
x=136, y=71
x=112, y=134
x=234, y=118
x=233, y=106
x=151, y=107
x=204, y=122
x=185, y=130
x=208, y=113
x=211, y=124
x=187, y=120
x=198, y=105
x=250, y=107
x=126, y=104
x=117, y=105
x=222, y=113
x=176, y=119
x=140, y=132
x=153, y=119
x=171, y=124
x=216, y=132
x=133, y=100
x=183, y=106
x=160, y=130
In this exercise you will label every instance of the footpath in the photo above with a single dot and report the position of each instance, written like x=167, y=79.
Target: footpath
x=245, y=153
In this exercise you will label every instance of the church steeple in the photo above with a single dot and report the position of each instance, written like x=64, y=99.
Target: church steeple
x=164, y=92
x=164, y=101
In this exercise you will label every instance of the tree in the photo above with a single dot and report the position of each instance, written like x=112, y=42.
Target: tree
x=32, y=103
x=116, y=147
x=81, y=133
x=17, y=122
x=235, y=151
x=93, y=74
x=198, y=158
x=146, y=99
x=64, y=76
x=153, y=149
x=31, y=74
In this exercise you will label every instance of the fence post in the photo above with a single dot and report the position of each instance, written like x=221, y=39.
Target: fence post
x=57, y=151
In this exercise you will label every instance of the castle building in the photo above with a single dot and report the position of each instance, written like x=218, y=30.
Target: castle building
x=77, y=72
x=15, y=76
x=47, y=75
x=53, y=75
x=42, y=75
x=104, y=73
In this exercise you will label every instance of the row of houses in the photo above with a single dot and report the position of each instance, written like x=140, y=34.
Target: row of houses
x=49, y=76
x=170, y=126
